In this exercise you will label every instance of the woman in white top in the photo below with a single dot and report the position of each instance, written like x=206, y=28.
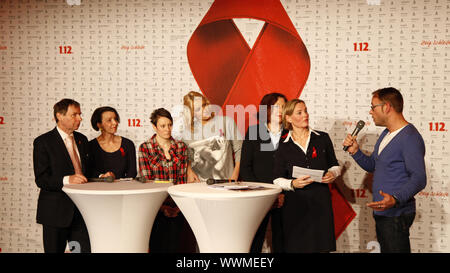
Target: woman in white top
x=214, y=142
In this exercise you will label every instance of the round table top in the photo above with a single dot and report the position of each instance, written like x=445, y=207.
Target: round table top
x=202, y=190
x=115, y=188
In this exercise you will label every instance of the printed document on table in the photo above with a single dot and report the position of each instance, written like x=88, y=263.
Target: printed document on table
x=315, y=175
x=236, y=186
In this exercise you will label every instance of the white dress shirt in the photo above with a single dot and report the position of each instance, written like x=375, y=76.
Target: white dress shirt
x=274, y=137
x=66, y=138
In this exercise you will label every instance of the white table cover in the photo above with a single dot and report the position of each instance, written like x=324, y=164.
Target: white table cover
x=224, y=220
x=119, y=216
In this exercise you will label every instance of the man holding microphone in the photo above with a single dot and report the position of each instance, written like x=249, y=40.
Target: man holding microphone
x=397, y=162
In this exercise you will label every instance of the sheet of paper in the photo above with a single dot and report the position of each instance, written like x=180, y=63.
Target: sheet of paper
x=236, y=186
x=228, y=187
x=316, y=175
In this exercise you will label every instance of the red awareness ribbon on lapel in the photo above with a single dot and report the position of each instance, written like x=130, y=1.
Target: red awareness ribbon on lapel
x=229, y=72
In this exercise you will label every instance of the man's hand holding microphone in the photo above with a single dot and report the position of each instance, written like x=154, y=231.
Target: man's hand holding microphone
x=351, y=145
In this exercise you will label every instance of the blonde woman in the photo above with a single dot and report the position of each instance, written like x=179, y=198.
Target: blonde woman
x=214, y=142
x=307, y=214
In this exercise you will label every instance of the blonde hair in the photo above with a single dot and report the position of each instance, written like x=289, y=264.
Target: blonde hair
x=188, y=101
x=289, y=110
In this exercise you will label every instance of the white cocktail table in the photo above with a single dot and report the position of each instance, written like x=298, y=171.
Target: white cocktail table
x=224, y=220
x=119, y=216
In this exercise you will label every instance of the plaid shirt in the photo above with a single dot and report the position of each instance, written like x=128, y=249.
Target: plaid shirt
x=154, y=165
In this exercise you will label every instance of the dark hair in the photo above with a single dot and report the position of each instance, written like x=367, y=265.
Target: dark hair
x=391, y=96
x=62, y=106
x=269, y=100
x=160, y=112
x=97, y=116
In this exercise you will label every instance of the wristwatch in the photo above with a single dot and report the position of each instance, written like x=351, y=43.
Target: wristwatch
x=396, y=201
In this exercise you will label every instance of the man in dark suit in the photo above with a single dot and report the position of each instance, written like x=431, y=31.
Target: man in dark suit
x=60, y=157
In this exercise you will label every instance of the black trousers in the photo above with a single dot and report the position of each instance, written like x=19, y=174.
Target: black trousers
x=393, y=233
x=277, y=233
x=56, y=238
x=172, y=235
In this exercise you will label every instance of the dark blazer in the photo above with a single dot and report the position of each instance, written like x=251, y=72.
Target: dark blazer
x=51, y=163
x=320, y=155
x=307, y=213
x=257, y=155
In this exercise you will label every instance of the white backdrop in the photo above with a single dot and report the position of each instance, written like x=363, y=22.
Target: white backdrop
x=132, y=55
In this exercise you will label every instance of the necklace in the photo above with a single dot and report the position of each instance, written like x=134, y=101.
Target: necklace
x=300, y=138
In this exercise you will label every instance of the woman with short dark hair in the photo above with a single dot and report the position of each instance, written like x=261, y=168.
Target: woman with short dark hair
x=110, y=155
x=164, y=158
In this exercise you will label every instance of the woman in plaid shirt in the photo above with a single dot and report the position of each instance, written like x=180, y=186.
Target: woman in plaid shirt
x=164, y=158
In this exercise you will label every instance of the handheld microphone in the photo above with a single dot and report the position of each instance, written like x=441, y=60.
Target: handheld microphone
x=141, y=179
x=101, y=179
x=211, y=181
x=358, y=128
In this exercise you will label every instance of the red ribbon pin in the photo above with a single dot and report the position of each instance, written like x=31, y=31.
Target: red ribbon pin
x=314, y=153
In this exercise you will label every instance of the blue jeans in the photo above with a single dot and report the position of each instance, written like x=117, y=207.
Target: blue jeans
x=393, y=233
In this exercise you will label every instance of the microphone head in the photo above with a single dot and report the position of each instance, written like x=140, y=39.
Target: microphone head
x=101, y=179
x=360, y=124
x=141, y=179
x=358, y=128
x=109, y=179
x=210, y=181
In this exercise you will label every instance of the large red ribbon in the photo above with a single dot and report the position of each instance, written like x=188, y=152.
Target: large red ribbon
x=342, y=210
x=229, y=72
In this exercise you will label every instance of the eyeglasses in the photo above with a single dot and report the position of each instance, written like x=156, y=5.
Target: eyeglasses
x=373, y=106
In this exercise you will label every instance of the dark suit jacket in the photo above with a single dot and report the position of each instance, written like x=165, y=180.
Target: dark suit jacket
x=51, y=163
x=257, y=155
